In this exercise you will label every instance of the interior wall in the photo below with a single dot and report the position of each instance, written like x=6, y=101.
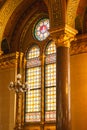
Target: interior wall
x=79, y=91
x=6, y=100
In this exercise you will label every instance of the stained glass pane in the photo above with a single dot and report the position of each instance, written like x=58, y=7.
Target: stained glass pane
x=50, y=115
x=50, y=98
x=33, y=117
x=33, y=77
x=51, y=48
x=34, y=52
x=41, y=29
x=50, y=82
x=33, y=101
x=33, y=62
x=51, y=58
x=50, y=75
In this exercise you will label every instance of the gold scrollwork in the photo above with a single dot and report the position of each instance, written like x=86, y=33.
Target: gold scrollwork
x=63, y=36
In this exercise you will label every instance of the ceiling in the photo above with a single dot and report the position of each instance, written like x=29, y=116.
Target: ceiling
x=27, y=11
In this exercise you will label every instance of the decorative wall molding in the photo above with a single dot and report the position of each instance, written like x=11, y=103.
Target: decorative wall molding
x=9, y=60
x=79, y=46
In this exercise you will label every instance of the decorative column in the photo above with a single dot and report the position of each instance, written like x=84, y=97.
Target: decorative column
x=19, y=94
x=18, y=123
x=42, y=111
x=20, y=88
x=63, y=37
x=62, y=34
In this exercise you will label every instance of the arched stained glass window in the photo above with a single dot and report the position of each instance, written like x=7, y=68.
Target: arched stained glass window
x=50, y=82
x=41, y=29
x=33, y=77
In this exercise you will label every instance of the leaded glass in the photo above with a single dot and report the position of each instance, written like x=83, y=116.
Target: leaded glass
x=50, y=82
x=50, y=115
x=41, y=29
x=33, y=101
x=33, y=77
x=51, y=48
x=50, y=75
x=33, y=117
x=50, y=98
x=33, y=53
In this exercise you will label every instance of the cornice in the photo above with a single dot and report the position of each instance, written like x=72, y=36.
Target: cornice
x=79, y=46
x=9, y=60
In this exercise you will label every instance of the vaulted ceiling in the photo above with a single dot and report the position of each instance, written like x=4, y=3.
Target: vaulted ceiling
x=16, y=16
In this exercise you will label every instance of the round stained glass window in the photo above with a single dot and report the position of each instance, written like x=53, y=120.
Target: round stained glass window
x=41, y=29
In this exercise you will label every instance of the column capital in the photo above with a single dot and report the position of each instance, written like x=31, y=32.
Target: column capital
x=63, y=36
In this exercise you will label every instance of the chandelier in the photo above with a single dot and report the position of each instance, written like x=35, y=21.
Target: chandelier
x=18, y=86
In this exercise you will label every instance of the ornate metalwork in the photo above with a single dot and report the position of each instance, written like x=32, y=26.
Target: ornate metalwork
x=18, y=86
x=79, y=46
x=63, y=36
x=9, y=60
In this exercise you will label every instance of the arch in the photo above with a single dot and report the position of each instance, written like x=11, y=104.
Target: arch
x=78, y=24
x=85, y=21
x=72, y=6
x=4, y=46
x=19, y=18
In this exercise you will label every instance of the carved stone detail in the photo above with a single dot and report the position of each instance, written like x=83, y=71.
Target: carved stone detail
x=71, y=11
x=63, y=36
x=79, y=46
x=64, y=40
x=7, y=61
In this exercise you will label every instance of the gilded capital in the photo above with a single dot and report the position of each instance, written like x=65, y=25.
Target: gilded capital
x=63, y=40
x=63, y=36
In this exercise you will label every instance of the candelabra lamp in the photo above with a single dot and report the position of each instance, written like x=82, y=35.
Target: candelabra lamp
x=19, y=88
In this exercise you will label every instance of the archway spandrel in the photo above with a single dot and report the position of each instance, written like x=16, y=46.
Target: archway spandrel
x=72, y=6
x=5, y=13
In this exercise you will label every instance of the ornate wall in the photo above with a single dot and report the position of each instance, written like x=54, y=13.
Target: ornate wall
x=17, y=18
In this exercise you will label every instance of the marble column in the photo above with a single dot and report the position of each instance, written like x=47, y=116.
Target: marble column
x=63, y=37
x=63, y=89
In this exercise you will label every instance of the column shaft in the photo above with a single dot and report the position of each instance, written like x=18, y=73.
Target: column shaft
x=63, y=89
